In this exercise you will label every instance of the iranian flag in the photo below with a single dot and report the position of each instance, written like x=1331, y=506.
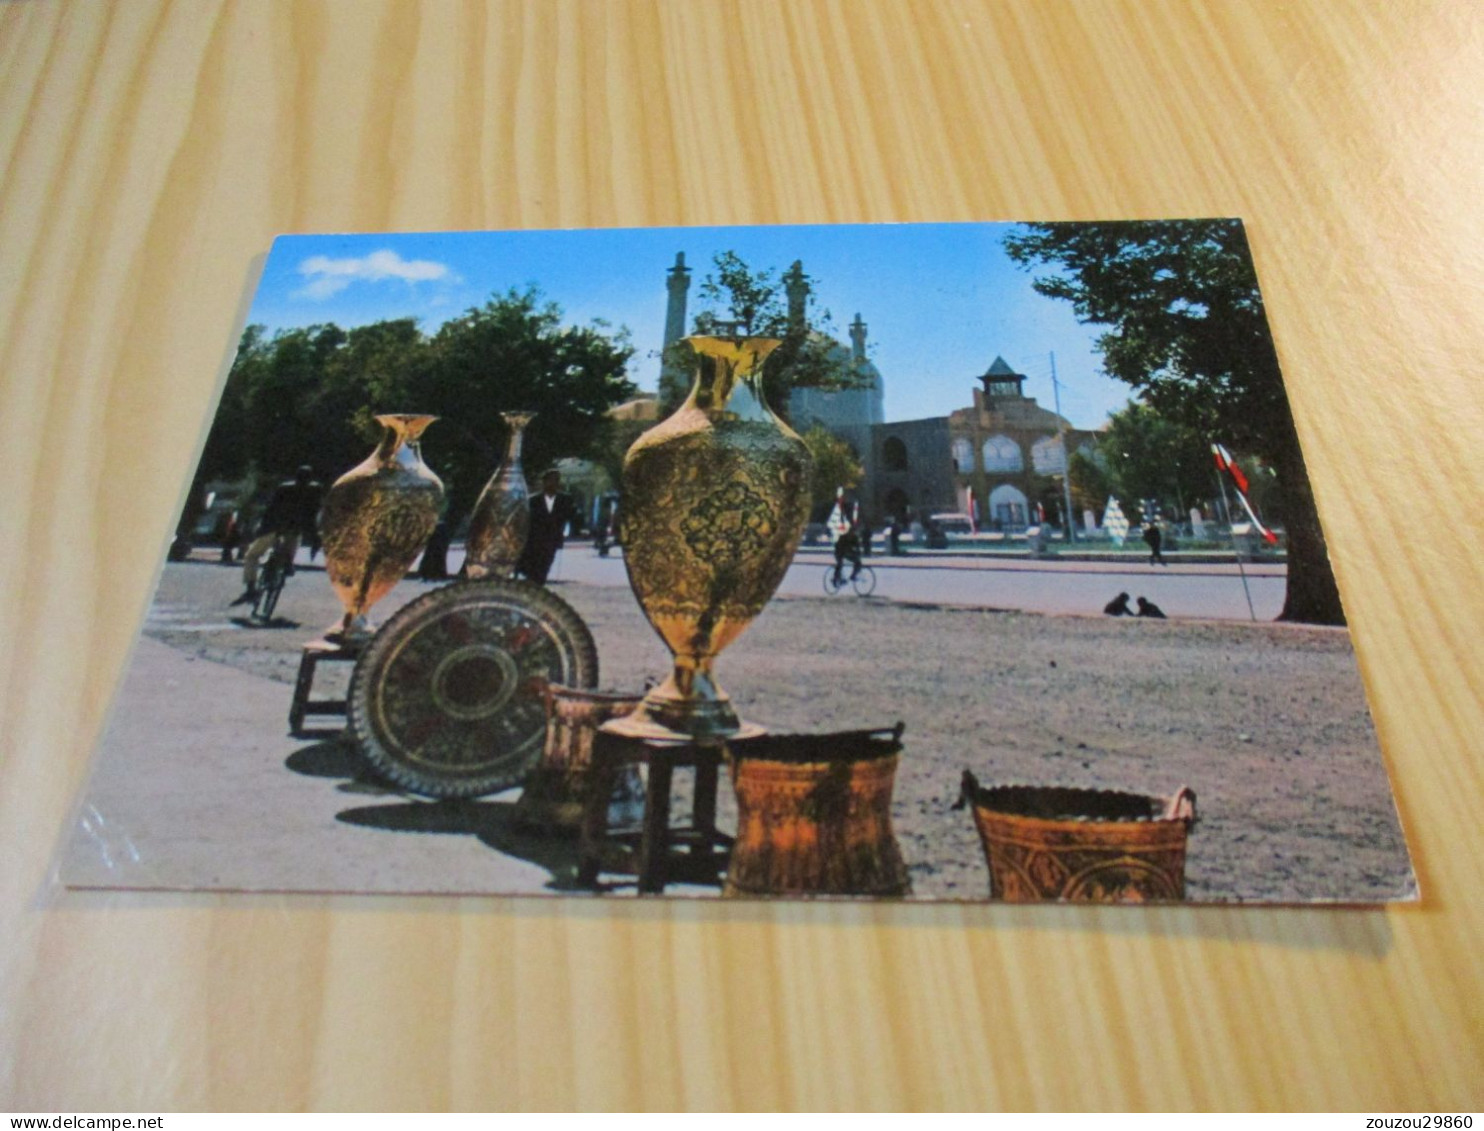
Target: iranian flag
x=1225, y=463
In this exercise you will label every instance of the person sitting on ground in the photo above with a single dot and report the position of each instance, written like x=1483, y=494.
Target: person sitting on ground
x=1150, y=609
x=291, y=514
x=1118, y=607
x=848, y=548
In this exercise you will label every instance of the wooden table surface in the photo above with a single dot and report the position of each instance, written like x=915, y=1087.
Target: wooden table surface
x=151, y=150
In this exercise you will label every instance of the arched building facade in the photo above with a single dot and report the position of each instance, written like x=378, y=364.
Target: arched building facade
x=993, y=460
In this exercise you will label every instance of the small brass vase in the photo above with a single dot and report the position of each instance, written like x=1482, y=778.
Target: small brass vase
x=502, y=516
x=377, y=518
x=715, y=500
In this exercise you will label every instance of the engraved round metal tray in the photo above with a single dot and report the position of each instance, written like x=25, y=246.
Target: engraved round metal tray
x=448, y=698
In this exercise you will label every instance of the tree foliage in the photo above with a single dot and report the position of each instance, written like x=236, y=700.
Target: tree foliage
x=836, y=465
x=1090, y=481
x=1148, y=456
x=308, y=395
x=737, y=299
x=1187, y=329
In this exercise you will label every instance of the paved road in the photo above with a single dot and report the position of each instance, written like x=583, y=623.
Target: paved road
x=1207, y=591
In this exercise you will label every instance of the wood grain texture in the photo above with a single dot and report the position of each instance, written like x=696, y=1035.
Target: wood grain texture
x=149, y=152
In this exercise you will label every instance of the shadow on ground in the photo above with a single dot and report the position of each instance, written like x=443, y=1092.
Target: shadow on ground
x=276, y=622
x=494, y=823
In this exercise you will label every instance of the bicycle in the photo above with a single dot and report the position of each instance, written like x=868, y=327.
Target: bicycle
x=276, y=569
x=864, y=582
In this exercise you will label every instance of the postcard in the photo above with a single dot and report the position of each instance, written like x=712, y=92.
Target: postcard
x=934, y=561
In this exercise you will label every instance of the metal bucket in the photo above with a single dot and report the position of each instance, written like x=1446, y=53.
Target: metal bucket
x=1084, y=845
x=557, y=788
x=814, y=815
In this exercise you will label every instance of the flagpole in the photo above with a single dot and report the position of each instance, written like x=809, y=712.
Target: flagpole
x=1237, y=550
x=1066, y=456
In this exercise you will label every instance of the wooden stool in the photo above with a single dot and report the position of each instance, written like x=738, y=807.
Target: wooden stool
x=658, y=853
x=315, y=653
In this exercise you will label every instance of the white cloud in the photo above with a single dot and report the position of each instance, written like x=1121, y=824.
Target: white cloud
x=328, y=276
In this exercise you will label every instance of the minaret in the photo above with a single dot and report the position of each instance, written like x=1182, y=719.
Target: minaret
x=857, y=340
x=678, y=284
x=796, y=284
x=875, y=394
x=672, y=380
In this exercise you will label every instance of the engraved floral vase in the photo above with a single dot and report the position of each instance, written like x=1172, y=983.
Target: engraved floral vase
x=502, y=516
x=715, y=500
x=376, y=520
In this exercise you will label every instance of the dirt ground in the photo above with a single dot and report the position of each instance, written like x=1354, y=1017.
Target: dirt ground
x=1267, y=723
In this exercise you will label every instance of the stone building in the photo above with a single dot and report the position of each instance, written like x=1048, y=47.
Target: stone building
x=992, y=460
x=908, y=472
x=1005, y=447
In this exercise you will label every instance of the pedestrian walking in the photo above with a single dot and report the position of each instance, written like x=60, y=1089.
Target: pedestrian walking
x=1154, y=539
x=894, y=536
x=231, y=537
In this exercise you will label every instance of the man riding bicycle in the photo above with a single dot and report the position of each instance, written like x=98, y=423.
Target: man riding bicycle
x=290, y=517
x=847, y=548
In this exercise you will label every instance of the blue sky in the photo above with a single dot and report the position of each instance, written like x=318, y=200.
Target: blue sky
x=939, y=300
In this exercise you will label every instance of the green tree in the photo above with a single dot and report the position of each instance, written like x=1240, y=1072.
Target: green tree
x=308, y=395
x=737, y=299
x=1091, y=482
x=1187, y=328
x=835, y=465
x=514, y=353
x=1149, y=456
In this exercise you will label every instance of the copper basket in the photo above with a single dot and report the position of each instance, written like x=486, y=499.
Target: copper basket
x=1083, y=845
x=814, y=815
x=555, y=791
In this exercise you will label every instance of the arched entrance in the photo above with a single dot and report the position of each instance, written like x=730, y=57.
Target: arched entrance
x=1007, y=507
x=894, y=454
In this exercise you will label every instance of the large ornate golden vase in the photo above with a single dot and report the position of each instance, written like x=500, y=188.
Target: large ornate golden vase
x=715, y=499
x=502, y=516
x=376, y=520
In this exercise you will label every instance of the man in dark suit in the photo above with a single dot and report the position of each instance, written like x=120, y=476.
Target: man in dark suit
x=551, y=512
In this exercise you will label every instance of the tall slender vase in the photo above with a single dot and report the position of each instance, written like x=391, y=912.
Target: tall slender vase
x=377, y=518
x=502, y=516
x=715, y=501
